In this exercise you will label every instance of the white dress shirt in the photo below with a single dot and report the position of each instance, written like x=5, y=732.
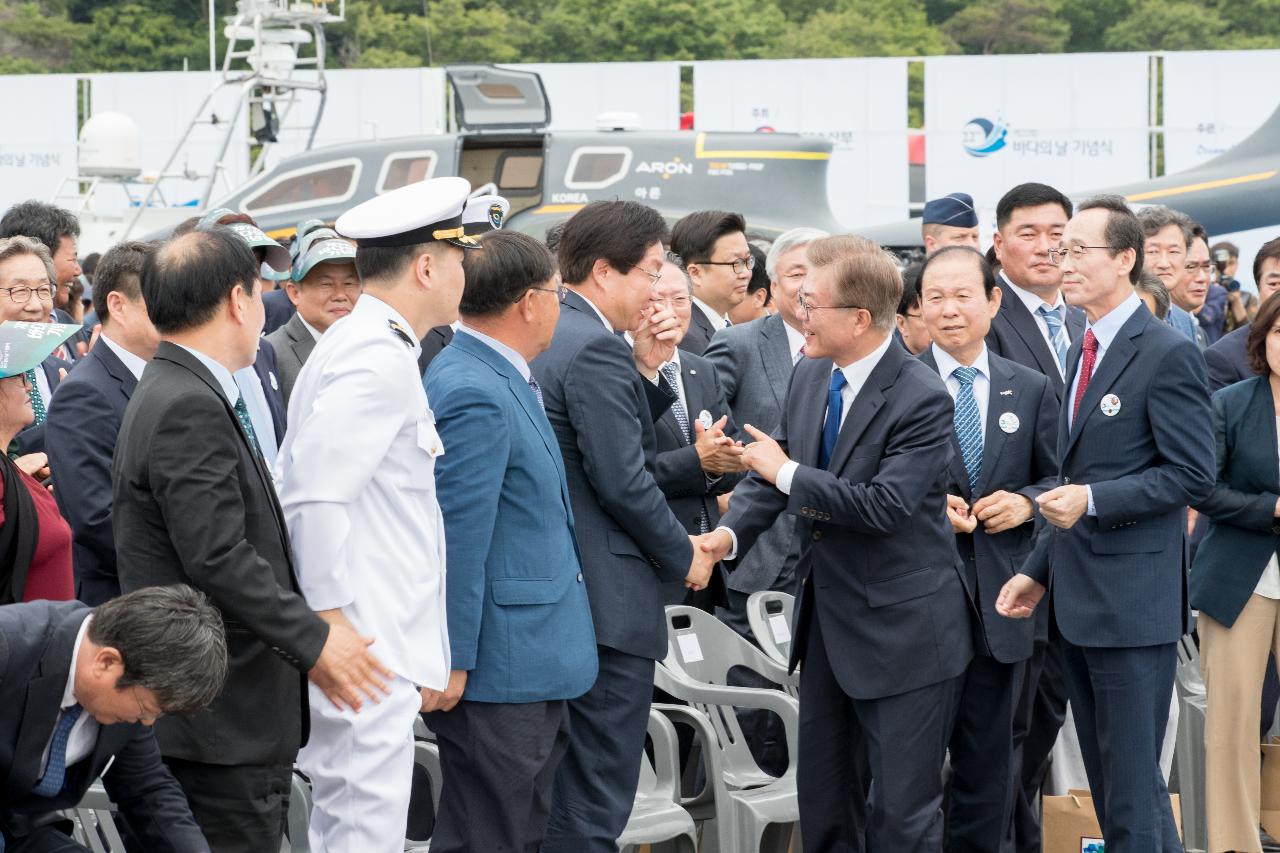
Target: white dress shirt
x=356, y=478
x=855, y=375
x=718, y=321
x=795, y=340
x=315, y=333
x=981, y=383
x=84, y=732
x=134, y=364
x=1105, y=330
x=1034, y=303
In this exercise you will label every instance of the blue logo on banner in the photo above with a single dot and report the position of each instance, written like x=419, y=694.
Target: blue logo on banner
x=983, y=136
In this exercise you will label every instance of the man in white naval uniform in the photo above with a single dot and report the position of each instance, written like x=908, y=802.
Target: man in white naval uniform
x=356, y=476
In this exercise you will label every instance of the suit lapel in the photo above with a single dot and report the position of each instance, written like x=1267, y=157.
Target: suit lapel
x=998, y=404
x=865, y=405
x=1261, y=417
x=115, y=368
x=959, y=474
x=775, y=352
x=1015, y=311
x=44, y=696
x=804, y=427
x=301, y=341
x=1115, y=359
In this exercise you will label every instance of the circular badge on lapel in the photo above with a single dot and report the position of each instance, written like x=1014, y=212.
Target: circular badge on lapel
x=1009, y=422
x=704, y=418
x=1110, y=405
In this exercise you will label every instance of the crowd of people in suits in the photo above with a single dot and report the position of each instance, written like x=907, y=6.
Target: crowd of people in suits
x=264, y=507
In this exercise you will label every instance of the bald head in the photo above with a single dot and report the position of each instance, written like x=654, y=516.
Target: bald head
x=187, y=280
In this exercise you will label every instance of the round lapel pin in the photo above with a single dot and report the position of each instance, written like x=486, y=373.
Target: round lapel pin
x=1110, y=405
x=1009, y=422
x=704, y=418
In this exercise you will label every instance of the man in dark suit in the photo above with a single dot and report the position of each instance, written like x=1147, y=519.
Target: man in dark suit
x=85, y=414
x=80, y=690
x=635, y=552
x=324, y=287
x=1136, y=447
x=1005, y=438
x=1034, y=328
x=712, y=248
x=437, y=339
x=193, y=503
x=1226, y=359
x=519, y=620
x=698, y=457
x=26, y=282
x=883, y=622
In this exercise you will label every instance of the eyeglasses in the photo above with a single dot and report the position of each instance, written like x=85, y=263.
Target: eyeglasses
x=1057, y=256
x=676, y=303
x=560, y=291
x=1202, y=266
x=21, y=295
x=654, y=277
x=806, y=306
x=740, y=265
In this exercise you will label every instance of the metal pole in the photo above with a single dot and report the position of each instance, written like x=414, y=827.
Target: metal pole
x=213, y=51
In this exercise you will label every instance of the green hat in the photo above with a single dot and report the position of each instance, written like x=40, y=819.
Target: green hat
x=276, y=256
x=24, y=345
x=323, y=249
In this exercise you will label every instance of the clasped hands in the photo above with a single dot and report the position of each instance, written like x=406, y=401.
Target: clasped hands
x=998, y=512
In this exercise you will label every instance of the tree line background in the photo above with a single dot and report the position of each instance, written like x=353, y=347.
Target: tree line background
x=159, y=35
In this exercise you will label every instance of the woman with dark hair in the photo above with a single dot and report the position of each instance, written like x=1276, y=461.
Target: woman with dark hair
x=35, y=540
x=1235, y=584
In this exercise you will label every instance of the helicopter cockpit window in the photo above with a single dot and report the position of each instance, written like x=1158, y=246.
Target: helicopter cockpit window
x=328, y=182
x=520, y=171
x=594, y=168
x=405, y=168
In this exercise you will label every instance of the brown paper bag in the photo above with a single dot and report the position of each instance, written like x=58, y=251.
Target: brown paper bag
x=1271, y=788
x=1070, y=824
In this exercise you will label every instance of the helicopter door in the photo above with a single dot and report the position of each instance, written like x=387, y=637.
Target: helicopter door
x=486, y=97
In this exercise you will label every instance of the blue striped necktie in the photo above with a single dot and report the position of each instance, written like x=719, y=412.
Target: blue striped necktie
x=1053, y=321
x=55, y=771
x=968, y=424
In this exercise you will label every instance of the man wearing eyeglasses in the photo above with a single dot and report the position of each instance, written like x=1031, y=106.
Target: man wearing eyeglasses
x=883, y=621
x=1167, y=242
x=712, y=245
x=1135, y=444
x=26, y=294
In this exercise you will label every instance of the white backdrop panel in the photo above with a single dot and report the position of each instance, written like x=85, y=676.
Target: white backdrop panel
x=1075, y=122
x=860, y=104
x=1214, y=99
x=38, y=151
x=163, y=103
x=580, y=91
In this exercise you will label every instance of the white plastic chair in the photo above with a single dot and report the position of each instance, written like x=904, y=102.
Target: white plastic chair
x=771, y=615
x=747, y=800
x=1188, y=754
x=657, y=817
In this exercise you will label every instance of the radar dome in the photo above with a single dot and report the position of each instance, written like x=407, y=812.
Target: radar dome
x=110, y=147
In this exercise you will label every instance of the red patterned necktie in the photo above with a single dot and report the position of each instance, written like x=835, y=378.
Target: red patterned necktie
x=1086, y=370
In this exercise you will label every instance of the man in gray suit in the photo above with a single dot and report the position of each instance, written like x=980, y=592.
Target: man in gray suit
x=602, y=398
x=753, y=362
x=324, y=288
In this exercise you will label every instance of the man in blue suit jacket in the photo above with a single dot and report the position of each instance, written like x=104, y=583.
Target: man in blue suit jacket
x=519, y=622
x=85, y=415
x=1135, y=442
x=635, y=552
x=1004, y=457
x=883, y=622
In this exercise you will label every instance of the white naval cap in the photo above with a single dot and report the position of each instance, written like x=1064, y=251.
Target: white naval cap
x=484, y=213
x=416, y=213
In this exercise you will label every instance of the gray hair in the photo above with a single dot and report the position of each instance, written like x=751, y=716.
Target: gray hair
x=172, y=642
x=11, y=247
x=1149, y=283
x=1157, y=217
x=793, y=239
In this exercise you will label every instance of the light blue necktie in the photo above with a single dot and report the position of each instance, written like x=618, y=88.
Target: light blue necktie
x=55, y=772
x=1057, y=331
x=835, y=406
x=968, y=424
